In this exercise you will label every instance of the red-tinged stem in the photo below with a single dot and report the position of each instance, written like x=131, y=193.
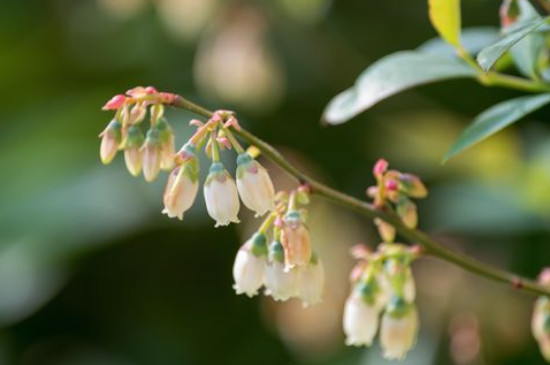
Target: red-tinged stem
x=415, y=236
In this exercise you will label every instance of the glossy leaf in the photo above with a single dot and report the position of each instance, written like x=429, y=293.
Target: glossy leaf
x=445, y=17
x=495, y=119
x=472, y=39
x=489, y=55
x=391, y=75
x=527, y=51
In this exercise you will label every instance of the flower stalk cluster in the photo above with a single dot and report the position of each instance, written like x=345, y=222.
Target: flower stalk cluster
x=382, y=281
x=287, y=266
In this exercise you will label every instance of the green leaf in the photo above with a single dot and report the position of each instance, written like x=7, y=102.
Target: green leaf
x=445, y=17
x=472, y=39
x=489, y=55
x=391, y=75
x=527, y=51
x=495, y=119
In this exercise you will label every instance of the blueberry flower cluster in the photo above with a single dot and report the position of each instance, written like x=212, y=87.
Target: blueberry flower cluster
x=382, y=281
x=286, y=266
x=279, y=257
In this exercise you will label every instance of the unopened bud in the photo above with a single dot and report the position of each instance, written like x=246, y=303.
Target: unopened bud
x=111, y=138
x=413, y=186
x=151, y=150
x=386, y=230
x=132, y=149
x=406, y=209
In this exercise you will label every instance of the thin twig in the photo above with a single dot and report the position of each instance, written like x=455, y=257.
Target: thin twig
x=430, y=246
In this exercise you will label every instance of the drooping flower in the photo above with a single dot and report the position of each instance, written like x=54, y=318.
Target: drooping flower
x=181, y=189
x=311, y=282
x=399, y=278
x=399, y=328
x=111, y=137
x=220, y=194
x=167, y=141
x=296, y=240
x=151, y=155
x=362, y=312
x=254, y=185
x=250, y=264
x=280, y=284
x=132, y=150
x=540, y=322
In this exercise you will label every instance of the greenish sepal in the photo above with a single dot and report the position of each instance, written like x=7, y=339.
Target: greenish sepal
x=314, y=260
x=277, y=252
x=244, y=159
x=190, y=149
x=135, y=137
x=398, y=307
x=152, y=136
x=114, y=130
x=259, y=244
x=216, y=170
x=293, y=216
x=546, y=322
x=191, y=170
x=165, y=131
x=368, y=291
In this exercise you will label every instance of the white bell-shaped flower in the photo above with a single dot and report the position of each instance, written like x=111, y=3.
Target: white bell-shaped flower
x=311, y=282
x=220, y=194
x=399, y=328
x=280, y=283
x=254, y=185
x=362, y=312
x=180, y=192
x=249, y=266
x=360, y=321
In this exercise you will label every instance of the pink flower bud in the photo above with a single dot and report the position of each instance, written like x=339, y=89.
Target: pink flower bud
x=115, y=103
x=380, y=168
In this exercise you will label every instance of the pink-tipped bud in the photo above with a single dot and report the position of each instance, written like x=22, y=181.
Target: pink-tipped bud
x=392, y=185
x=380, y=168
x=111, y=138
x=115, y=103
x=151, y=90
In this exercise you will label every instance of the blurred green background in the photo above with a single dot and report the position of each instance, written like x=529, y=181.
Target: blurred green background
x=92, y=273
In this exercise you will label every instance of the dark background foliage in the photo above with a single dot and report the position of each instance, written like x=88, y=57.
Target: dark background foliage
x=92, y=273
